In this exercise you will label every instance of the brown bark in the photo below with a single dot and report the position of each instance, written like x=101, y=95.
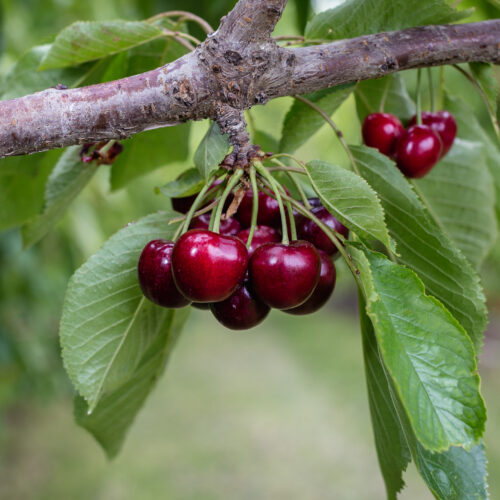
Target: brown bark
x=237, y=67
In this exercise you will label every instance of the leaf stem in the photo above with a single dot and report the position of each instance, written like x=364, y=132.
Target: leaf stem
x=297, y=185
x=184, y=15
x=431, y=89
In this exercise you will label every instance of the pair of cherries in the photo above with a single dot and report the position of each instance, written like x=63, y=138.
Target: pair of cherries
x=418, y=148
x=241, y=285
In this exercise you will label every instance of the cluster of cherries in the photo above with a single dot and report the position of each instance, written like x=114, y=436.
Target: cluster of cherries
x=418, y=148
x=237, y=282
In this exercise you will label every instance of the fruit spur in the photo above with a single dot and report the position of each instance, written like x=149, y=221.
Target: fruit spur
x=243, y=247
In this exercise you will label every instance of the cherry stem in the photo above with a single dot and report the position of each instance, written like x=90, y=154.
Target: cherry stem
x=234, y=179
x=255, y=205
x=106, y=147
x=196, y=203
x=431, y=89
x=188, y=16
x=297, y=185
x=441, y=86
x=274, y=186
x=301, y=164
x=291, y=219
x=334, y=127
x=419, y=97
x=484, y=97
x=385, y=94
x=202, y=211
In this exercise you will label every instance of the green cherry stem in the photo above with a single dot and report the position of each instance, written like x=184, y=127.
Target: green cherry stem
x=291, y=219
x=274, y=186
x=291, y=157
x=255, y=204
x=196, y=203
x=334, y=127
x=296, y=183
x=235, y=178
x=431, y=89
x=419, y=97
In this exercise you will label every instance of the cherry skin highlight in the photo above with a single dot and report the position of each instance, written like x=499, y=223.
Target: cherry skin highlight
x=443, y=123
x=309, y=231
x=323, y=290
x=207, y=266
x=242, y=310
x=419, y=149
x=285, y=276
x=155, y=275
x=382, y=131
x=261, y=235
x=229, y=227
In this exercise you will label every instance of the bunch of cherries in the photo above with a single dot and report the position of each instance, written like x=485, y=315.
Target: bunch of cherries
x=237, y=281
x=418, y=148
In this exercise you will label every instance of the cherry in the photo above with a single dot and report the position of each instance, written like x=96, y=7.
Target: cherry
x=419, y=149
x=310, y=231
x=242, y=310
x=262, y=234
x=443, y=123
x=382, y=131
x=285, y=276
x=323, y=290
x=229, y=227
x=207, y=266
x=269, y=211
x=155, y=275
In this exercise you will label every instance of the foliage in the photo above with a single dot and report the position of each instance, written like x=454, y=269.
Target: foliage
x=422, y=306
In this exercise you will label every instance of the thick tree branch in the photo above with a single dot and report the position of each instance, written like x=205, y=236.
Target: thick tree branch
x=236, y=68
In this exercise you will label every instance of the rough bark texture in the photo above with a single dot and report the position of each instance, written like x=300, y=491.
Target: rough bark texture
x=237, y=67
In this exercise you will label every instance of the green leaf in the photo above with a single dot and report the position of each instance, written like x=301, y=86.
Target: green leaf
x=211, y=151
x=149, y=151
x=390, y=89
x=349, y=197
x=87, y=41
x=302, y=122
x=460, y=195
x=189, y=183
x=22, y=184
x=362, y=17
x=485, y=77
x=108, y=326
x=455, y=474
x=392, y=450
x=65, y=182
x=116, y=411
x=422, y=245
x=428, y=355
x=470, y=128
x=24, y=79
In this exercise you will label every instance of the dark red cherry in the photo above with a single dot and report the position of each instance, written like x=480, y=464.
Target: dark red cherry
x=262, y=234
x=443, y=123
x=323, y=290
x=310, y=231
x=419, y=149
x=382, y=131
x=285, y=276
x=207, y=266
x=229, y=227
x=155, y=275
x=269, y=211
x=242, y=310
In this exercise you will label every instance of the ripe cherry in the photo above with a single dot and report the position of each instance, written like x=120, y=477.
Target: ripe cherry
x=207, y=266
x=419, y=149
x=285, y=276
x=242, y=310
x=443, y=123
x=323, y=290
x=155, y=275
x=382, y=131
x=229, y=227
x=269, y=211
x=262, y=234
x=309, y=231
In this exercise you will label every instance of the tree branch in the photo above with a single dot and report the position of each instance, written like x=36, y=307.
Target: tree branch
x=236, y=68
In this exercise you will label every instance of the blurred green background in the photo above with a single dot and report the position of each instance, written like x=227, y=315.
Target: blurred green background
x=280, y=412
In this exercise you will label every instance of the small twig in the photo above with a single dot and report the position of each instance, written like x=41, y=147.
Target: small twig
x=184, y=15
